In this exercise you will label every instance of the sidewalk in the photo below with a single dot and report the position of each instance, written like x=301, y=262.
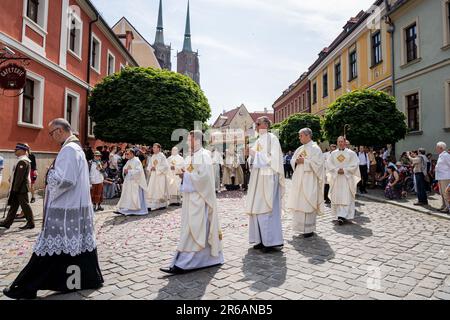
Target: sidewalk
x=434, y=202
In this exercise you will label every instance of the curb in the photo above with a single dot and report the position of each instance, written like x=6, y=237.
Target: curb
x=405, y=206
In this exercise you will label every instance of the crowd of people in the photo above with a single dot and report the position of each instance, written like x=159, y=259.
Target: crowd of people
x=415, y=172
x=148, y=180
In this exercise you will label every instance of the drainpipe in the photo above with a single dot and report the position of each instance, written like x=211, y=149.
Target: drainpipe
x=391, y=31
x=88, y=80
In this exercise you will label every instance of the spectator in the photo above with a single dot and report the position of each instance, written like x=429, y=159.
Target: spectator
x=33, y=173
x=372, y=167
x=114, y=159
x=443, y=174
x=364, y=167
x=111, y=187
x=105, y=154
x=88, y=152
x=393, y=188
x=419, y=169
x=426, y=169
x=287, y=163
x=96, y=179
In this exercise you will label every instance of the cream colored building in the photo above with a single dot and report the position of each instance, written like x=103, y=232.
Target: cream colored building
x=140, y=49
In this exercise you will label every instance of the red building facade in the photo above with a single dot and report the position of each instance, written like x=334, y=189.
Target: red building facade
x=71, y=48
x=296, y=99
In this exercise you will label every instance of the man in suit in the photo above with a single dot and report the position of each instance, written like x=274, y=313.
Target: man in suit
x=20, y=186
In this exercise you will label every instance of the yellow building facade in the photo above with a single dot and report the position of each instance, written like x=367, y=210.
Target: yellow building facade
x=360, y=58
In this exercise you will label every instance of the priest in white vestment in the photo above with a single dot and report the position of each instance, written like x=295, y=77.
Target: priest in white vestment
x=132, y=200
x=158, y=184
x=200, y=243
x=343, y=176
x=233, y=175
x=176, y=163
x=217, y=159
x=266, y=188
x=305, y=199
x=67, y=238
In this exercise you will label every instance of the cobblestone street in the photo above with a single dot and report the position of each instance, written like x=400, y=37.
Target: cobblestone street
x=387, y=253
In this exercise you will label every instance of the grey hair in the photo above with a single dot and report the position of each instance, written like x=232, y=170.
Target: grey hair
x=306, y=131
x=265, y=120
x=61, y=123
x=442, y=145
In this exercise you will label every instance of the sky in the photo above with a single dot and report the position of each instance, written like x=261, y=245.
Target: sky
x=250, y=50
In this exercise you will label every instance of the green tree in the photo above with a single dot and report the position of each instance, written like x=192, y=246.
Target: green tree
x=371, y=116
x=290, y=127
x=145, y=105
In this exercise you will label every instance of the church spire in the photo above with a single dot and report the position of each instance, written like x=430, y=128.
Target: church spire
x=187, y=46
x=160, y=29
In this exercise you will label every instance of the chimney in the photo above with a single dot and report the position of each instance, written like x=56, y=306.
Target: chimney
x=128, y=40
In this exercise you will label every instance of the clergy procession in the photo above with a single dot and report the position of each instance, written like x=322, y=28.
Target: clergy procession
x=193, y=181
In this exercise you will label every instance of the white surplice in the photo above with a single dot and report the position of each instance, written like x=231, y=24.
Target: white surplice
x=132, y=200
x=305, y=199
x=174, y=180
x=200, y=243
x=343, y=186
x=265, y=192
x=68, y=212
x=157, y=190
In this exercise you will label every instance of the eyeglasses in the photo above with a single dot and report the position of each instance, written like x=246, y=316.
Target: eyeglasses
x=53, y=131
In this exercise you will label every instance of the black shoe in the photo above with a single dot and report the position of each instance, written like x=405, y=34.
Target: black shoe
x=421, y=203
x=341, y=221
x=173, y=270
x=268, y=249
x=17, y=295
x=33, y=200
x=99, y=208
x=2, y=225
x=27, y=227
x=258, y=246
x=308, y=235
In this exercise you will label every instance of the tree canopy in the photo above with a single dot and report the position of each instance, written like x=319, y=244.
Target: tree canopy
x=290, y=127
x=145, y=105
x=371, y=116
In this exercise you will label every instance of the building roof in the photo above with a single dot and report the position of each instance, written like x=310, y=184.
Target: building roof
x=349, y=27
x=111, y=32
x=256, y=115
x=292, y=86
x=134, y=29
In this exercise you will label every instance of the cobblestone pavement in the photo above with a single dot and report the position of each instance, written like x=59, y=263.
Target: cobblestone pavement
x=387, y=253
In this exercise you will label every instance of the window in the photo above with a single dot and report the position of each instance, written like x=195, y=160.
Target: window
x=75, y=35
x=69, y=109
x=314, y=93
x=28, y=102
x=33, y=10
x=91, y=124
x=122, y=67
x=353, y=65
x=446, y=21
x=96, y=51
x=337, y=76
x=411, y=43
x=325, y=84
x=447, y=104
x=35, y=13
x=376, y=49
x=31, y=102
x=111, y=63
x=72, y=109
x=412, y=103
